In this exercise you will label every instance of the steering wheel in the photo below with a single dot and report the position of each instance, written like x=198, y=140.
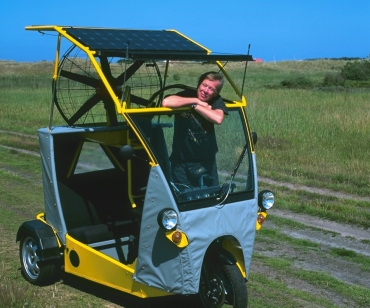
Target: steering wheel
x=172, y=86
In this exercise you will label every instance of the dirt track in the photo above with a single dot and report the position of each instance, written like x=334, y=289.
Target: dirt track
x=327, y=235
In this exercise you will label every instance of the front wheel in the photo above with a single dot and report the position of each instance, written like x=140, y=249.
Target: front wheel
x=34, y=271
x=226, y=285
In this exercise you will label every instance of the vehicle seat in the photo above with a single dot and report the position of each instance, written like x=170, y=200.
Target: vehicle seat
x=118, y=240
x=77, y=211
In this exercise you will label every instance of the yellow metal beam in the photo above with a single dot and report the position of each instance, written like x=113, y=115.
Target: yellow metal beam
x=189, y=39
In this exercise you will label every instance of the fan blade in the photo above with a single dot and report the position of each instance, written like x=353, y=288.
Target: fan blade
x=139, y=100
x=111, y=110
x=90, y=103
x=129, y=72
x=86, y=80
x=105, y=67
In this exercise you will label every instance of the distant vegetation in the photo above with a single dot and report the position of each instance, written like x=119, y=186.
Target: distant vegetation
x=25, y=75
x=339, y=59
x=338, y=72
x=359, y=70
x=354, y=74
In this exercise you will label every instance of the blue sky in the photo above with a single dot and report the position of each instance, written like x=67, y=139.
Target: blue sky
x=276, y=30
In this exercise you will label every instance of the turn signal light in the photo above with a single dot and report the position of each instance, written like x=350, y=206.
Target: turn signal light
x=176, y=237
x=261, y=218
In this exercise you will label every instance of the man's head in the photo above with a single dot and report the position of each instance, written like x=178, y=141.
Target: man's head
x=209, y=85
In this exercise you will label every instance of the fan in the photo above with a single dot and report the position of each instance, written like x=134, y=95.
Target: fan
x=82, y=98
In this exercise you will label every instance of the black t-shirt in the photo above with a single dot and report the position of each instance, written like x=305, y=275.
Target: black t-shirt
x=194, y=136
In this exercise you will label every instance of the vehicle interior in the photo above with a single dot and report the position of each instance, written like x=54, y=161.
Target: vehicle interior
x=93, y=191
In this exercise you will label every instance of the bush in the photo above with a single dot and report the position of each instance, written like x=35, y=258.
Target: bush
x=358, y=70
x=297, y=82
x=333, y=80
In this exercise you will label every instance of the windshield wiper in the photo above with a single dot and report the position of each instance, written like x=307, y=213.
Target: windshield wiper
x=226, y=188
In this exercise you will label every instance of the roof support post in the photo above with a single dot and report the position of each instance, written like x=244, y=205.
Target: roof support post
x=55, y=75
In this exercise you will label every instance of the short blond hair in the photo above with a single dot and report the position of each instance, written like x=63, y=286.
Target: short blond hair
x=213, y=76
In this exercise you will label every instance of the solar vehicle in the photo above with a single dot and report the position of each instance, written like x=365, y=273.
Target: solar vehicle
x=113, y=212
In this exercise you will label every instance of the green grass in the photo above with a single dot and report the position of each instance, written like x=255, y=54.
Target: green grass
x=310, y=137
x=274, y=235
x=359, y=295
x=275, y=293
x=363, y=261
x=25, y=110
x=20, y=186
x=325, y=207
x=315, y=137
x=24, y=142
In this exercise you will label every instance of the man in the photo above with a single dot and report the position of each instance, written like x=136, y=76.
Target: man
x=193, y=158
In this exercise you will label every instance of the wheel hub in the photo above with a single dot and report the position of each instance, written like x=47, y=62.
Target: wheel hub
x=215, y=296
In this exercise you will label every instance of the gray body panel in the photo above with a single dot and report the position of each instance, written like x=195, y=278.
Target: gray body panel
x=53, y=209
x=161, y=263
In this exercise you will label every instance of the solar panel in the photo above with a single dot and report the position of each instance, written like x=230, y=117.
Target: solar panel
x=137, y=41
x=141, y=44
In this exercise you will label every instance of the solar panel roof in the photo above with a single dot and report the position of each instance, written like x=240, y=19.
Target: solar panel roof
x=142, y=44
x=137, y=41
x=145, y=44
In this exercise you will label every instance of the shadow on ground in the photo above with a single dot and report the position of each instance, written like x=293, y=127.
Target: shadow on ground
x=126, y=300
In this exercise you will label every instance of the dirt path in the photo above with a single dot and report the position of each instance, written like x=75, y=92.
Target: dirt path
x=315, y=190
x=9, y=132
x=341, y=229
x=327, y=236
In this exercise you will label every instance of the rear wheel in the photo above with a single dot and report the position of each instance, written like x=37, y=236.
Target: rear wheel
x=34, y=271
x=226, y=286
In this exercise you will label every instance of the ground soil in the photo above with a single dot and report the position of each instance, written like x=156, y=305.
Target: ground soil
x=327, y=235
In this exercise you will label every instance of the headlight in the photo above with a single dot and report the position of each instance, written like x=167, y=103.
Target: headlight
x=266, y=199
x=167, y=219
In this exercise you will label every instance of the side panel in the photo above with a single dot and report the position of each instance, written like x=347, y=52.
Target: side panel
x=160, y=263
x=53, y=210
x=165, y=266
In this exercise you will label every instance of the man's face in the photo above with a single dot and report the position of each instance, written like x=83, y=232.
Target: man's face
x=207, y=90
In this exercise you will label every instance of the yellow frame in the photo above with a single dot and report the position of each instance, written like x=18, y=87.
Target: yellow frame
x=98, y=267
x=109, y=271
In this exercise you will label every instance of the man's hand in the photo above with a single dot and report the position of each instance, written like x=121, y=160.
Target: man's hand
x=204, y=104
x=214, y=116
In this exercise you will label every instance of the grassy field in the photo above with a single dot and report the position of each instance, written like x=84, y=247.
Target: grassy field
x=313, y=136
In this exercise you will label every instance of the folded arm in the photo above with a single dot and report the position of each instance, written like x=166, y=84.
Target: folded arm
x=215, y=116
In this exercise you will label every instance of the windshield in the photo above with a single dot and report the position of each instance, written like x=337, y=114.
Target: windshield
x=204, y=167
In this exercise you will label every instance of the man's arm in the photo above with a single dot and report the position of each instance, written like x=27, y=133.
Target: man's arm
x=204, y=109
x=179, y=101
x=215, y=116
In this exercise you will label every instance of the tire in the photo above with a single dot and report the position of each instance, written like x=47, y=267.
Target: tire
x=34, y=271
x=236, y=294
x=228, y=287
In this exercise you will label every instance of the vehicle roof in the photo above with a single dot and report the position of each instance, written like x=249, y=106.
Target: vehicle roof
x=140, y=44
